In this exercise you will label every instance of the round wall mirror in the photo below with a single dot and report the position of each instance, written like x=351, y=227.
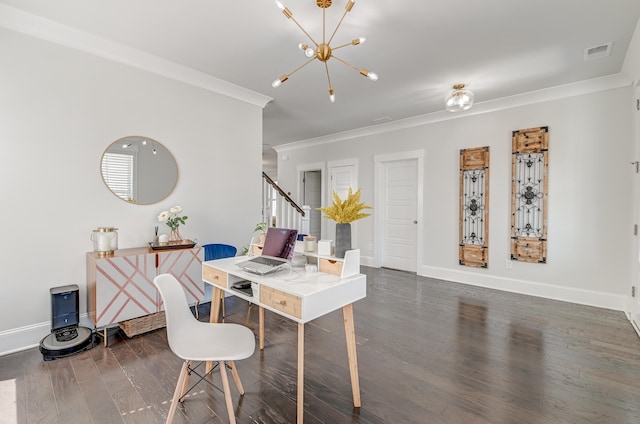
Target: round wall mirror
x=139, y=170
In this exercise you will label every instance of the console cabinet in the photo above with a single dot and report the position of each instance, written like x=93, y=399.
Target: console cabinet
x=120, y=287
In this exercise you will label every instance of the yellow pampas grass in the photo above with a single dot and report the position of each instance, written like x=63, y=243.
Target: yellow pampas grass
x=349, y=210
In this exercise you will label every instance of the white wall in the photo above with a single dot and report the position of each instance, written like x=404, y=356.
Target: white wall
x=631, y=65
x=590, y=187
x=59, y=110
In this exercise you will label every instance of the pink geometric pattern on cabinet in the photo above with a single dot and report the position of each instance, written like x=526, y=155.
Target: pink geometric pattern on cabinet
x=125, y=288
x=186, y=266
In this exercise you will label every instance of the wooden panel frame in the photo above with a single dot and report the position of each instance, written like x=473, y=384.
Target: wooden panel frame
x=530, y=191
x=474, y=207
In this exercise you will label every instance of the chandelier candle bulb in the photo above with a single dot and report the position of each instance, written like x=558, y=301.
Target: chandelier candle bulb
x=359, y=40
x=349, y=5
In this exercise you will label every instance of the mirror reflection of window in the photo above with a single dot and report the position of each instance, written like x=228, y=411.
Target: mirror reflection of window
x=139, y=170
x=117, y=171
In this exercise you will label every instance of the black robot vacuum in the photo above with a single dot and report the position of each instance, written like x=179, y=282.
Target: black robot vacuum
x=66, y=336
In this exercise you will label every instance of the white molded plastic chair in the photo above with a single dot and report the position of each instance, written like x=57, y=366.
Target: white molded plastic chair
x=193, y=340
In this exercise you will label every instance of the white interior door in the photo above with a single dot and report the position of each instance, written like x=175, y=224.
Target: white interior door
x=634, y=302
x=312, y=197
x=399, y=214
x=342, y=175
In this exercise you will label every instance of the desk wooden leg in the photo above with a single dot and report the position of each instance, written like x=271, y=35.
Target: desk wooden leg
x=350, y=333
x=215, y=305
x=300, y=411
x=261, y=326
x=215, y=315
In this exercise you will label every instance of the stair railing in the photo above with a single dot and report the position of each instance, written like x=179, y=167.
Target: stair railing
x=280, y=210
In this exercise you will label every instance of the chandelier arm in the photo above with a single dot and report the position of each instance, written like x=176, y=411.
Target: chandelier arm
x=326, y=67
x=332, y=95
x=303, y=30
x=365, y=73
x=344, y=45
x=324, y=24
x=347, y=9
x=346, y=63
x=301, y=66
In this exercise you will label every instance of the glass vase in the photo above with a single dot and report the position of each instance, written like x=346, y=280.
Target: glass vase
x=175, y=235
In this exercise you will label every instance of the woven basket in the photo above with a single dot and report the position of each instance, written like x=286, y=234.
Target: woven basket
x=143, y=324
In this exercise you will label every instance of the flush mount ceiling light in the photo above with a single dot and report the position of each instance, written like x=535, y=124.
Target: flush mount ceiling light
x=323, y=51
x=461, y=98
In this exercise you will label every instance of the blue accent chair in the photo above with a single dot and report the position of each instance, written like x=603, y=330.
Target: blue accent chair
x=218, y=251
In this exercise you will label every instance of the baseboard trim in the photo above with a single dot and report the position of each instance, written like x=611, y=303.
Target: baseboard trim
x=531, y=288
x=634, y=324
x=633, y=313
x=23, y=338
x=367, y=261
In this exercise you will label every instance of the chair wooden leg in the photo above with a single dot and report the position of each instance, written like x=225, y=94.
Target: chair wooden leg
x=176, y=394
x=222, y=298
x=214, y=316
x=261, y=326
x=227, y=393
x=236, y=377
x=185, y=384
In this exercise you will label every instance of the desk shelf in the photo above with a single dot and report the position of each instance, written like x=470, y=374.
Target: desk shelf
x=342, y=267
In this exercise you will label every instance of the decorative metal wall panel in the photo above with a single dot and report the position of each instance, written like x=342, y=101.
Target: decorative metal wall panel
x=474, y=207
x=529, y=194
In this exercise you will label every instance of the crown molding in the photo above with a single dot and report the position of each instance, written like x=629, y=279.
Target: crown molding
x=36, y=26
x=553, y=93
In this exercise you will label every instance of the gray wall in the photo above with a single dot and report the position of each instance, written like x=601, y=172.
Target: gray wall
x=59, y=110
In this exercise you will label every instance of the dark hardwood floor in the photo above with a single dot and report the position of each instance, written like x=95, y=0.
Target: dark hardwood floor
x=429, y=351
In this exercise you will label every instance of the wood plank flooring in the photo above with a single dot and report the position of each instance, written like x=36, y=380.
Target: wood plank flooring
x=429, y=351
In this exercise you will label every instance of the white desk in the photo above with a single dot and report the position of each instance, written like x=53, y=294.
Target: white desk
x=297, y=296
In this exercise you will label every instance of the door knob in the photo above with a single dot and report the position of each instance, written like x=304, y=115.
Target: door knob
x=415, y=221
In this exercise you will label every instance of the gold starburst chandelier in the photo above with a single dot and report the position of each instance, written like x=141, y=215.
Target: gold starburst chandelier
x=323, y=51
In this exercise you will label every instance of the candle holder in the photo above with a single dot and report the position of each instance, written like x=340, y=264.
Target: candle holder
x=105, y=241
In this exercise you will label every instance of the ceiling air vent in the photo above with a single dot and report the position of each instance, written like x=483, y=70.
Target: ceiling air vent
x=597, y=52
x=381, y=120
